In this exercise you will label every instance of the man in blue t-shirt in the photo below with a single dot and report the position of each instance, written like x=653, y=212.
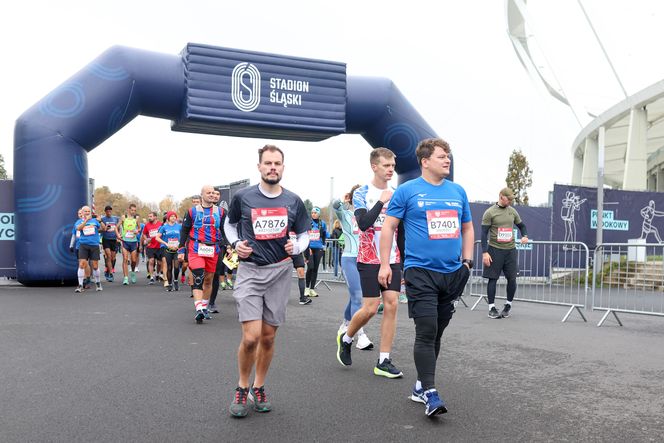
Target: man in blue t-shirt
x=109, y=239
x=439, y=249
x=89, y=226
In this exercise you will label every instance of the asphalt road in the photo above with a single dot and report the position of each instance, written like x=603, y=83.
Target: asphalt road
x=130, y=364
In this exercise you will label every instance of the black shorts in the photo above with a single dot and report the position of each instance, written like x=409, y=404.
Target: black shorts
x=153, y=253
x=431, y=293
x=502, y=261
x=88, y=252
x=109, y=243
x=369, y=279
x=298, y=261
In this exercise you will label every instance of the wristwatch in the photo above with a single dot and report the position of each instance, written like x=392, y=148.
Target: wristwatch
x=467, y=261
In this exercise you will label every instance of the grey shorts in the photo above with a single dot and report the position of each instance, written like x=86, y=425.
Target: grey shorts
x=262, y=292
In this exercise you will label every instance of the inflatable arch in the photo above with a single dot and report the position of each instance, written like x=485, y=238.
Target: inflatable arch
x=205, y=89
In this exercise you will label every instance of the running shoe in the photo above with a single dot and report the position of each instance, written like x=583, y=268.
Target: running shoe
x=305, y=301
x=133, y=277
x=343, y=327
x=434, y=404
x=151, y=281
x=199, y=317
x=125, y=281
x=261, y=403
x=418, y=396
x=206, y=313
x=380, y=308
x=86, y=283
x=387, y=369
x=165, y=283
x=109, y=277
x=403, y=298
x=229, y=284
x=79, y=288
x=239, y=406
x=99, y=288
x=493, y=313
x=307, y=291
x=313, y=293
x=363, y=342
x=176, y=285
x=506, y=310
x=169, y=288
x=343, y=350
x=223, y=285
x=213, y=309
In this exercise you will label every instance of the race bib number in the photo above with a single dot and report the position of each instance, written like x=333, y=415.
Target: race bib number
x=173, y=243
x=153, y=233
x=78, y=233
x=442, y=224
x=292, y=236
x=89, y=230
x=356, y=227
x=314, y=235
x=269, y=223
x=205, y=250
x=378, y=224
x=110, y=228
x=505, y=235
x=130, y=234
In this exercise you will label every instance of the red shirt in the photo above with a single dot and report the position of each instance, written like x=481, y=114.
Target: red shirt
x=150, y=231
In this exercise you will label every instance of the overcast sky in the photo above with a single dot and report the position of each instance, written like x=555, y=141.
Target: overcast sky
x=452, y=60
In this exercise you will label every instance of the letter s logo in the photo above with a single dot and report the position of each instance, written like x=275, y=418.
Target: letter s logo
x=246, y=87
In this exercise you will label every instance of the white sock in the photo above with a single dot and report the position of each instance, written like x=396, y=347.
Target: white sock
x=205, y=303
x=383, y=356
x=347, y=339
x=418, y=385
x=96, y=275
x=491, y=306
x=508, y=303
x=81, y=276
x=198, y=304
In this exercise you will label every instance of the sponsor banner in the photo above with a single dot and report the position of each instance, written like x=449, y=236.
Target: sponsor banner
x=627, y=215
x=253, y=94
x=7, y=230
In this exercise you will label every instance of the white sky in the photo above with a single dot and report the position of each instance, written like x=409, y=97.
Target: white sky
x=452, y=60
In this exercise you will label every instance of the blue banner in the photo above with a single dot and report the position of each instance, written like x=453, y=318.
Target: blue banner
x=7, y=230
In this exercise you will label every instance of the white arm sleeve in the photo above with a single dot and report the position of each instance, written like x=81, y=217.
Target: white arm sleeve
x=301, y=243
x=230, y=229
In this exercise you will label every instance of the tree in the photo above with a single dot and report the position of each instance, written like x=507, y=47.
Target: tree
x=519, y=177
x=3, y=171
x=308, y=205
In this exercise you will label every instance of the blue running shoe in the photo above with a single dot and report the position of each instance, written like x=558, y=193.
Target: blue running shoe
x=418, y=396
x=199, y=317
x=434, y=404
x=206, y=314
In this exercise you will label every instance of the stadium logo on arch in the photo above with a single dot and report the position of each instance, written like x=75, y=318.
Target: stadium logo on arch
x=246, y=87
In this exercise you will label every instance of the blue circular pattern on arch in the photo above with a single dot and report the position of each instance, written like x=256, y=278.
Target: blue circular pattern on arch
x=398, y=130
x=106, y=73
x=50, y=104
x=58, y=248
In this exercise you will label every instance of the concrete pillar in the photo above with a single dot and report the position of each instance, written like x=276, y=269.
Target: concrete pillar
x=635, y=176
x=660, y=180
x=652, y=182
x=577, y=168
x=589, y=172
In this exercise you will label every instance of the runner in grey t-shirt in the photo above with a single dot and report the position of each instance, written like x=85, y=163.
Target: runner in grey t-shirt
x=258, y=225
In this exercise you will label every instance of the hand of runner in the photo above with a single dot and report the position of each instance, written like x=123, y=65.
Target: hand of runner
x=385, y=275
x=289, y=247
x=386, y=195
x=486, y=259
x=524, y=240
x=243, y=249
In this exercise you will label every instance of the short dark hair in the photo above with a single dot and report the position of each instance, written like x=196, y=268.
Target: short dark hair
x=380, y=152
x=426, y=147
x=108, y=207
x=271, y=148
x=132, y=205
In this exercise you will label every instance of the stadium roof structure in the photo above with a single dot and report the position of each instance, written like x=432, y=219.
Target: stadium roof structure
x=633, y=142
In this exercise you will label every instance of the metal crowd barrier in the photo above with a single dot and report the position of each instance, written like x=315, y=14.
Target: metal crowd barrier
x=329, y=270
x=550, y=272
x=629, y=278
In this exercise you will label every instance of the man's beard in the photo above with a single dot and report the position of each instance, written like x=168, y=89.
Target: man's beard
x=271, y=181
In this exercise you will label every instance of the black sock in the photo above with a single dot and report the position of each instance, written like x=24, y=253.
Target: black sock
x=300, y=285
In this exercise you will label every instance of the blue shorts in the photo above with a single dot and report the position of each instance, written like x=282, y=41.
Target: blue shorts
x=130, y=246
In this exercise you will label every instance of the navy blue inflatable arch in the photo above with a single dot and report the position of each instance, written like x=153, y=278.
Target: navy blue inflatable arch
x=204, y=89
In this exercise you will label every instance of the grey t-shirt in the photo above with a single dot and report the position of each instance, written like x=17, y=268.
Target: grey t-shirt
x=265, y=222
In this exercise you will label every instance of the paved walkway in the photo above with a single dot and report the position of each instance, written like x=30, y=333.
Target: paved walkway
x=130, y=364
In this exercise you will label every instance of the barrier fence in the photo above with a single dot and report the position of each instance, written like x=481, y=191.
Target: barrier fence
x=554, y=273
x=628, y=277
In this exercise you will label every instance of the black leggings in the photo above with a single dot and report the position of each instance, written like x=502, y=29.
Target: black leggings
x=312, y=267
x=172, y=268
x=428, y=333
x=491, y=290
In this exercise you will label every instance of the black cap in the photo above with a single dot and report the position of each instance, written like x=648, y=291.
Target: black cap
x=108, y=207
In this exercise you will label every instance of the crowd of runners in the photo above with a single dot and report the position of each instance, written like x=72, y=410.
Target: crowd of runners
x=419, y=235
